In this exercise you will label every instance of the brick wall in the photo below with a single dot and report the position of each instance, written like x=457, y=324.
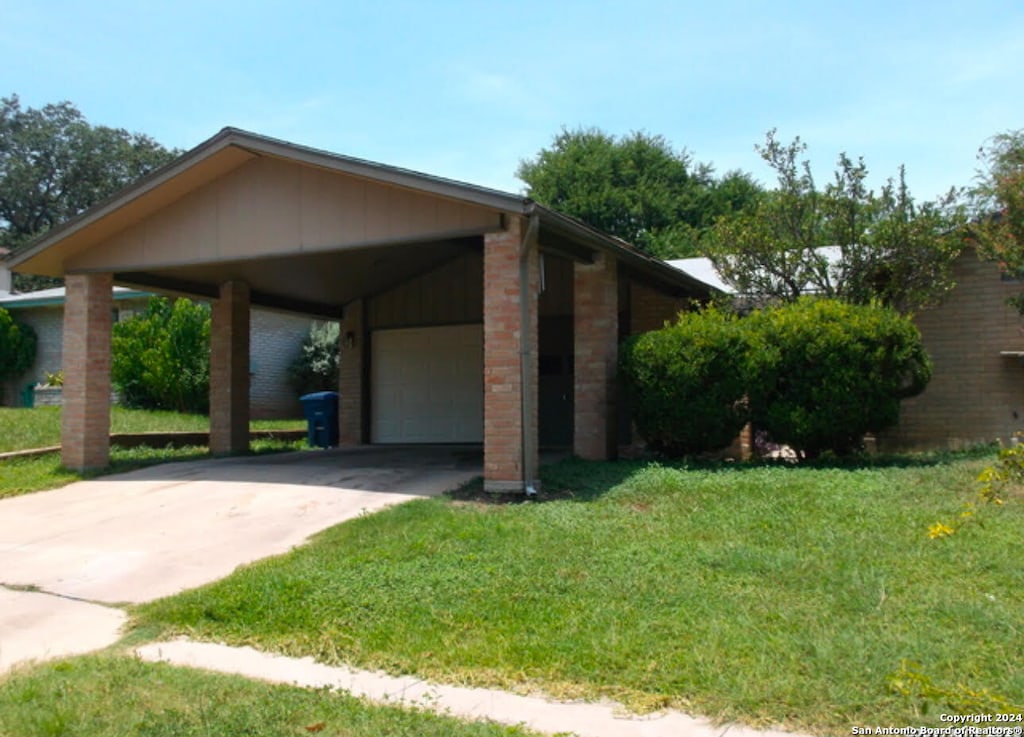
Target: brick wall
x=48, y=322
x=503, y=450
x=274, y=342
x=649, y=308
x=975, y=394
x=596, y=334
x=85, y=419
x=229, y=369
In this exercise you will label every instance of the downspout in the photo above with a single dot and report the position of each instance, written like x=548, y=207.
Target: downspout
x=528, y=439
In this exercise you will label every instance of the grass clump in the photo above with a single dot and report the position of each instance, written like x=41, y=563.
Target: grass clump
x=776, y=594
x=98, y=696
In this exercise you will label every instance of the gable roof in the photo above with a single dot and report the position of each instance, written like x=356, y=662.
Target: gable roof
x=232, y=147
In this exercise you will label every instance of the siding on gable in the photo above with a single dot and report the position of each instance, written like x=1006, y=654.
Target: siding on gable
x=269, y=207
x=451, y=294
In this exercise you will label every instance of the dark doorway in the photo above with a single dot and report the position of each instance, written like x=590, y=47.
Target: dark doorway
x=555, y=364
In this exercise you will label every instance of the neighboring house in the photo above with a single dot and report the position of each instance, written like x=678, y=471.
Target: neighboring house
x=976, y=342
x=274, y=342
x=468, y=315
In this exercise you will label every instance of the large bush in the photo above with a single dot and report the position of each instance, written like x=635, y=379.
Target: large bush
x=685, y=383
x=161, y=358
x=825, y=373
x=17, y=348
x=315, y=368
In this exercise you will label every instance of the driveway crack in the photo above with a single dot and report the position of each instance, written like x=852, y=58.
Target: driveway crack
x=33, y=589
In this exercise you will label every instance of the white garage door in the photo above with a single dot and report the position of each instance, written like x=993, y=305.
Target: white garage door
x=428, y=385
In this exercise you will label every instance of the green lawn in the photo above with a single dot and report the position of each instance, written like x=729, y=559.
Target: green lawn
x=808, y=597
x=99, y=696
x=40, y=427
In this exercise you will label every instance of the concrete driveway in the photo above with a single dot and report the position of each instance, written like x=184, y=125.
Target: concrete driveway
x=150, y=533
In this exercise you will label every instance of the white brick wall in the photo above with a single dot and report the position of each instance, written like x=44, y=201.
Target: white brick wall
x=274, y=341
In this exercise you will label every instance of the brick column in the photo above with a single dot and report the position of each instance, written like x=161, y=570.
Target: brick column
x=596, y=338
x=229, y=370
x=503, y=390
x=351, y=362
x=85, y=418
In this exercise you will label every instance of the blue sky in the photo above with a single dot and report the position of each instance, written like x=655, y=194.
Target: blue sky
x=467, y=89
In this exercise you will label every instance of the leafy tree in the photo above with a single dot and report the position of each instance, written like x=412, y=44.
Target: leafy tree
x=823, y=373
x=161, y=358
x=315, y=368
x=686, y=382
x=635, y=187
x=17, y=348
x=54, y=165
x=998, y=202
x=885, y=247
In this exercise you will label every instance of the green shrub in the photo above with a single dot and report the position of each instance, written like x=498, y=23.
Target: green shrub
x=161, y=358
x=825, y=373
x=17, y=348
x=315, y=368
x=685, y=383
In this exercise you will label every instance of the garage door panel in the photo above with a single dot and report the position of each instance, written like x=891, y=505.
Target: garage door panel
x=427, y=385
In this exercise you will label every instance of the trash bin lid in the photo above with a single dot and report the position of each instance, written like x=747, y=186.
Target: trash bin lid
x=318, y=396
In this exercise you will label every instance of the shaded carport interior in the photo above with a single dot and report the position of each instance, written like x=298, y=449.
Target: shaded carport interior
x=329, y=236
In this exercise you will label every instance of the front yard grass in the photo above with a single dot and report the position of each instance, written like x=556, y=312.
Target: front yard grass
x=99, y=696
x=39, y=427
x=811, y=598
x=22, y=429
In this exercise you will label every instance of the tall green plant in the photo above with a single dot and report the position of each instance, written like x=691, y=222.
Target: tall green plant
x=842, y=240
x=315, y=368
x=54, y=164
x=17, y=348
x=161, y=358
x=998, y=230
x=824, y=373
x=686, y=383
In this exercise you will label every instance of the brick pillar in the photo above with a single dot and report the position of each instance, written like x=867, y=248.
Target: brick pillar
x=596, y=338
x=229, y=370
x=503, y=390
x=85, y=418
x=351, y=362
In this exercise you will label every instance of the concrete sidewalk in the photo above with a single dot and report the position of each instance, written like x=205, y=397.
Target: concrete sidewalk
x=36, y=626
x=146, y=534
x=595, y=719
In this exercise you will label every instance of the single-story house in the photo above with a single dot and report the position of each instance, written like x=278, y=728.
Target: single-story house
x=976, y=341
x=468, y=315
x=274, y=341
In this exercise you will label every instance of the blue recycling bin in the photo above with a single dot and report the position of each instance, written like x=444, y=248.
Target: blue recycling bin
x=321, y=410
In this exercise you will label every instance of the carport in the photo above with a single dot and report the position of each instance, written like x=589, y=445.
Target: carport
x=468, y=315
